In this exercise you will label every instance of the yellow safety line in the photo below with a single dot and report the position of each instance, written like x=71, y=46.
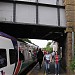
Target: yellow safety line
x=45, y=73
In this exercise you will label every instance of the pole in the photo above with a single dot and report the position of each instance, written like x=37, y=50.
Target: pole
x=72, y=44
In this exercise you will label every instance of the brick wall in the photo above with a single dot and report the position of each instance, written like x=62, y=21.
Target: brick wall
x=70, y=17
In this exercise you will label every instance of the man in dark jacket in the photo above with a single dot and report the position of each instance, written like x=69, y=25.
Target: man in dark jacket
x=40, y=57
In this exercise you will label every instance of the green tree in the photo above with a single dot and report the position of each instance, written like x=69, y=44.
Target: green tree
x=48, y=48
x=48, y=44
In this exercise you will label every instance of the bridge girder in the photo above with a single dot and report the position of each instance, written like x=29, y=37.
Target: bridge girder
x=33, y=31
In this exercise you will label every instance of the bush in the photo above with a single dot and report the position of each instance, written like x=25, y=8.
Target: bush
x=72, y=65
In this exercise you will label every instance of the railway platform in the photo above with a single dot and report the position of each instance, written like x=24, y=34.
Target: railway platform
x=37, y=71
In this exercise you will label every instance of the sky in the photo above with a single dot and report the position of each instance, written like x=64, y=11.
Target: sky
x=40, y=43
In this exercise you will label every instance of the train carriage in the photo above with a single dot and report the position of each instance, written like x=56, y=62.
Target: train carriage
x=8, y=54
x=15, y=55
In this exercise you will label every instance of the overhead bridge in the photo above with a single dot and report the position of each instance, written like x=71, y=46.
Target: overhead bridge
x=35, y=19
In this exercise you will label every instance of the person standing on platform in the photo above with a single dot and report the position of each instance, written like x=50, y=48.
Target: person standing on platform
x=57, y=64
x=40, y=57
x=47, y=59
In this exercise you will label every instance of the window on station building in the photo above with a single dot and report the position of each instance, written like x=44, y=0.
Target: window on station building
x=3, y=58
x=13, y=56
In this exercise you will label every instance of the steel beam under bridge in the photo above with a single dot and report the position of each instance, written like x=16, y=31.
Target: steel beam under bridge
x=33, y=31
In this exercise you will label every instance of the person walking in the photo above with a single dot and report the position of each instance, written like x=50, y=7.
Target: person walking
x=40, y=57
x=47, y=59
x=57, y=64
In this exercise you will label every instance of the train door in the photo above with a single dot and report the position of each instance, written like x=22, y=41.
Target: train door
x=7, y=56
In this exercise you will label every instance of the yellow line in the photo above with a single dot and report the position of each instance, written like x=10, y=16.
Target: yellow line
x=45, y=73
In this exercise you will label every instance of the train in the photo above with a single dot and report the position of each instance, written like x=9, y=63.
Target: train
x=15, y=54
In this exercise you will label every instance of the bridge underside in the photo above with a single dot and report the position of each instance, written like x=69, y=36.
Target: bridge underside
x=33, y=31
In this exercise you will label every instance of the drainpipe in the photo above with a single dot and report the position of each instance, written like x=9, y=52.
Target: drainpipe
x=72, y=44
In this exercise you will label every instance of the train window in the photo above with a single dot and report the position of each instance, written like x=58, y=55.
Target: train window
x=3, y=58
x=13, y=56
x=21, y=56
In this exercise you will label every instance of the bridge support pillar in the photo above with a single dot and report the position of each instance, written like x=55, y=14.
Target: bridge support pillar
x=70, y=18
x=68, y=52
